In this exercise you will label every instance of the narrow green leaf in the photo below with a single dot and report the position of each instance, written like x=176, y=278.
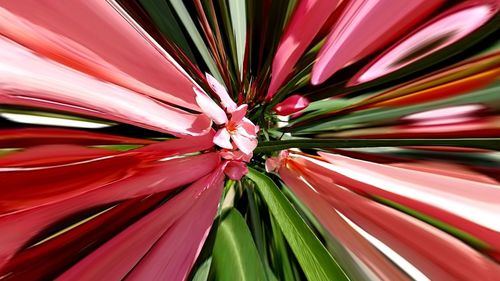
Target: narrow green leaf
x=270, y=146
x=321, y=107
x=119, y=147
x=280, y=253
x=235, y=256
x=313, y=257
x=373, y=116
x=289, y=11
x=464, y=236
x=239, y=21
x=256, y=226
x=229, y=41
x=351, y=267
x=5, y=151
x=186, y=19
x=163, y=16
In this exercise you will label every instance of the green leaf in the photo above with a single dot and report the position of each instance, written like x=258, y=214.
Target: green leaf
x=321, y=107
x=202, y=272
x=5, y=151
x=163, y=16
x=235, y=256
x=269, y=240
x=119, y=147
x=375, y=116
x=280, y=253
x=313, y=257
x=190, y=26
x=239, y=21
x=270, y=146
x=351, y=267
x=464, y=236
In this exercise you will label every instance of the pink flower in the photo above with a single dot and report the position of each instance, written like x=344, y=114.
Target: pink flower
x=235, y=170
x=235, y=163
x=235, y=155
x=273, y=164
x=237, y=134
x=236, y=126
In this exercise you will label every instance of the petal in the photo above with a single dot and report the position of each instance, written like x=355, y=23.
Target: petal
x=290, y=105
x=452, y=81
x=210, y=108
x=306, y=22
x=245, y=157
x=364, y=27
x=444, y=30
x=187, y=144
x=340, y=230
x=31, y=80
x=65, y=190
x=91, y=42
x=52, y=155
x=245, y=144
x=239, y=113
x=272, y=164
x=463, y=203
x=183, y=243
x=235, y=155
x=436, y=254
x=221, y=91
x=70, y=245
x=235, y=170
x=25, y=137
x=162, y=245
x=249, y=129
x=227, y=154
x=223, y=139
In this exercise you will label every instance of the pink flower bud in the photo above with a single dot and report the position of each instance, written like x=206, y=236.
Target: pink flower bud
x=290, y=105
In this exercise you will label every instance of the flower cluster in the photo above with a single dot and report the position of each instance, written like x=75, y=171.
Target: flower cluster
x=236, y=134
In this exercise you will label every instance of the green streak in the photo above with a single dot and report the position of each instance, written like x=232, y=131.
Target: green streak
x=270, y=146
x=119, y=147
x=190, y=26
x=462, y=235
x=239, y=21
x=5, y=151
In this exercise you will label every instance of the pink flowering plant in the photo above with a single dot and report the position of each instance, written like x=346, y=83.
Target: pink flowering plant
x=249, y=140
